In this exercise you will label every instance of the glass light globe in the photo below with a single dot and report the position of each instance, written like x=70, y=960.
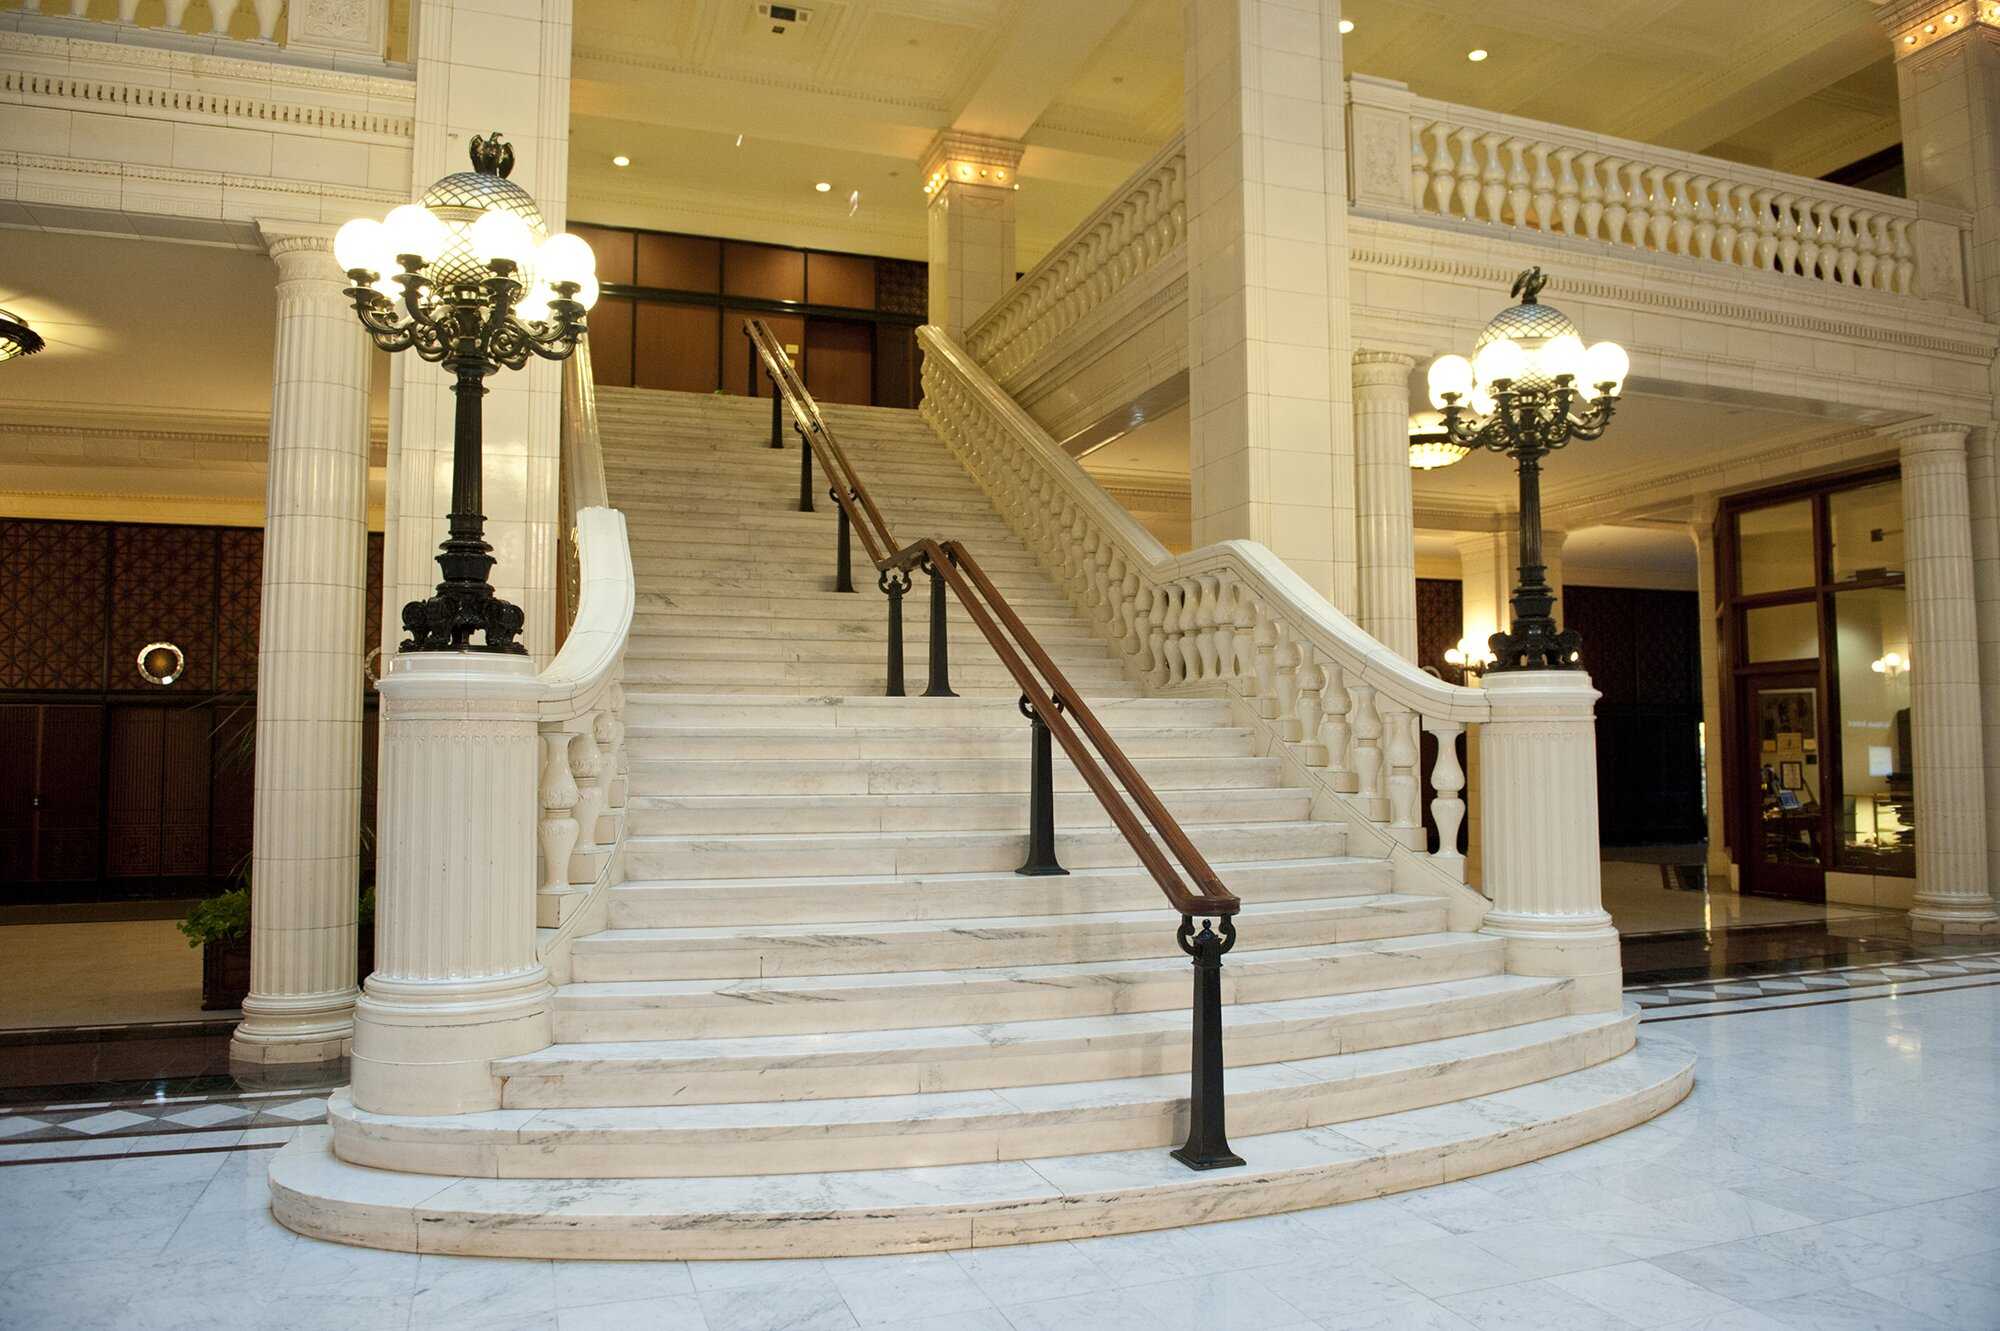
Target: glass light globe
x=586, y=294
x=1499, y=360
x=362, y=245
x=1606, y=363
x=533, y=308
x=415, y=229
x=565, y=258
x=1482, y=402
x=1449, y=374
x=1559, y=356
x=501, y=236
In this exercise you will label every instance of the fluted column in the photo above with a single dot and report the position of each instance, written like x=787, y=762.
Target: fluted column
x=1983, y=475
x=1701, y=528
x=1384, y=523
x=306, y=838
x=1952, y=895
x=1538, y=756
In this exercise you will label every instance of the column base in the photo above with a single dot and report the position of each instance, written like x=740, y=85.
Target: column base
x=427, y=1046
x=1954, y=921
x=293, y=1029
x=1580, y=948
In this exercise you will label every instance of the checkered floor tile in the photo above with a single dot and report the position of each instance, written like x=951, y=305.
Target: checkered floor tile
x=1817, y=982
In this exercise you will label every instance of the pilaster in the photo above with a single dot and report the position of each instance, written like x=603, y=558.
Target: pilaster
x=1272, y=430
x=1384, y=522
x=1701, y=529
x=971, y=181
x=307, y=819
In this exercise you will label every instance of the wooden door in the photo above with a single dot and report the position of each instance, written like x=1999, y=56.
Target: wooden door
x=1781, y=783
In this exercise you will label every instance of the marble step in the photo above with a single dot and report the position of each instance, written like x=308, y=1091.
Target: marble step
x=858, y=1212
x=801, y=1005
x=932, y=1128
x=969, y=519
x=1021, y=590
x=766, y=465
x=867, y=626
x=811, y=547
x=968, y=673
x=930, y=851
x=651, y=813
x=874, y=947
x=649, y=707
x=934, y=776
x=1013, y=1053
x=983, y=533
x=648, y=744
x=1069, y=655
x=817, y=605
x=899, y=501
x=823, y=898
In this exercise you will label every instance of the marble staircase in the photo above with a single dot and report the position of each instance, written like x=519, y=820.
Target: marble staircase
x=825, y=1017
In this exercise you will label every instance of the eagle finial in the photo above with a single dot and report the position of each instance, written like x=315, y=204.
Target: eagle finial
x=1529, y=285
x=492, y=156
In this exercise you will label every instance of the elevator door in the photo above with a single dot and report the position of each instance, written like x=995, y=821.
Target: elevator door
x=1785, y=811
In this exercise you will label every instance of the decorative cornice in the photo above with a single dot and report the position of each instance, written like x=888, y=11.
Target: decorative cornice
x=1639, y=488
x=246, y=431
x=189, y=103
x=397, y=86
x=181, y=176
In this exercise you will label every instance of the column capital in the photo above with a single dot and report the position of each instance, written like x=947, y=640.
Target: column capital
x=1929, y=435
x=1383, y=369
x=1917, y=26
x=958, y=158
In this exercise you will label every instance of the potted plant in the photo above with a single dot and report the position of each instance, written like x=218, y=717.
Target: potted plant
x=220, y=927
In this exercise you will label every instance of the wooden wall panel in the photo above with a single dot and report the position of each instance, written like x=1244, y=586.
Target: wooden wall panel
x=675, y=346
x=52, y=582
x=19, y=727
x=789, y=329
x=68, y=834
x=840, y=361
x=162, y=590
x=840, y=279
x=611, y=343
x=678, y=263
x=764, y=271
x=232, y=769
x=184, y=792
x=902, y=286
x=613, y=249
x=239, y=591
x=898, y=366
x=132, y=815
x=1440, y=619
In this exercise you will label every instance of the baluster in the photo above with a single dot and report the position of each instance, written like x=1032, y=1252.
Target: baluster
x=1311, y=683
x=1867, y=258
x=219, y=14
x=1906, y=259
x=1811, y=241
x=1228, y=606
x=1206, y=664
x=1845, y=254
x=127, y=10
x=1266, y=646
x=1729, y=202
x=1334, y=730
x=1420, y=168
x=1189, y=643
x=1041, y=861
x=1590, y=194
x=1660, y=220
x=1403, y=753
x=1285, y=660
x=1681, y=228
x=1517, y=182
x=559, y=796
x=1468, y=173
x=1615, y=209
x=1243, y=643
x=1567, y=202
x=586, y=760
x=1492, y=178
x=1788, y=233
x=1702, y=189
x=1637, y=205
x=1544, y=187
x=1166, y=656
x=1764, y=208
x=1447, y=808
x=1444, y=175
x=1367, y=740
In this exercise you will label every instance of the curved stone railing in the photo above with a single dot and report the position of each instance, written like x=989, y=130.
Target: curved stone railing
x=1142, y=222
x=1436, y=160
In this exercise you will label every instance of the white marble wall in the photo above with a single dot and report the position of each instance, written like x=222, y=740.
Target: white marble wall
x=306, y=835
x=1272, y=448
x=1387, y=534
x=484, y=65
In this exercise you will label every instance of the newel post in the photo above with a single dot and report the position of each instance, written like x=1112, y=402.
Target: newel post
x=457, y=982
x=1538, y=761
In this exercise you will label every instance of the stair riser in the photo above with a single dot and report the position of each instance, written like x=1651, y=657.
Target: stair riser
x=867, y=623
x=650, y=817
x=1068, y=656
x=588, y=1018
x=855, y=676
x=601, y=959
x=820, y=606
x=859, y=744
x=920, y=778
x=1041, y=1063
x=694, y=906
x=871, y=712
x=976, y=852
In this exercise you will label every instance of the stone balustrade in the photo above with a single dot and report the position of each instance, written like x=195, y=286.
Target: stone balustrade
x=1143, y=221
x=360, y=28
x=1428, y=160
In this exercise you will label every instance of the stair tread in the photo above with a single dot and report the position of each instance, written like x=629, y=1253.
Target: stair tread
x=788, y=840
x=980, y=799
x=1079, y=878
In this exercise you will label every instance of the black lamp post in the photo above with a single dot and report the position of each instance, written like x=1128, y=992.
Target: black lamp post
x=1521, y=394
x=479, y=290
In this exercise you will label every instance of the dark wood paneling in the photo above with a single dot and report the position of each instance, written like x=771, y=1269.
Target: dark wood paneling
x=789, y=329
x=840, y=361
x=185, y=752
x=678, y=263
x=1643, y=651
x=52, y=584
x=68, y=835
x=163, y=590
x=611, y=343
x=898, y=376
x=20, y=727
x=239, y=587
x=613, y=249
x=1440, y=621
x=902, y=286
x=764, y=271
x=132, y=812
x=232, y=789
x=676, y=347
x=840, y=279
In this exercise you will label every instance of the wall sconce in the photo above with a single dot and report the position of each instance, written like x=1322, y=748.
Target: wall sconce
x=1890, y=664
x=1468, y=658
x=161, y=663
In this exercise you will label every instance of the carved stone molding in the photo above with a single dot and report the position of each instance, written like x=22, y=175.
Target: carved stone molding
x=122, y=98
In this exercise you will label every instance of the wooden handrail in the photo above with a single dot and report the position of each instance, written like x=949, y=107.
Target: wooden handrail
x=1044, y=687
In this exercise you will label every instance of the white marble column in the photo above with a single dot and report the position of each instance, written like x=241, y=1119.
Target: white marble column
x=1541, y=869
x=1271, y=422
x=1385, y=524
x=481, y=66
x=971, y=182
x=1983, y=484
x=307, y=821
x=1952, y=894
x=1714, y=678
x=457, y=982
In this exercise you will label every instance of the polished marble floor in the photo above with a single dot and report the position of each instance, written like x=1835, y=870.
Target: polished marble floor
x=1837, y=1166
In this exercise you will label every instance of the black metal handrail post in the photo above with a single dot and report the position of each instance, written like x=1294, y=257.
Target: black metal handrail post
x=1207, y=1144
x=1041, y=861
x=894, y=582
x=805, y=473
x=940, y=685
x=843, y=556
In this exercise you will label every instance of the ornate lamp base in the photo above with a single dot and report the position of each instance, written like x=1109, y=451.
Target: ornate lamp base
x=463, y=605
x=1535, y=645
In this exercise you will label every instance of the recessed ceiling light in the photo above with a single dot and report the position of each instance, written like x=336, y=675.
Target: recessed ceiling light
x=1476, y=54
x=621, y=160
x=823, y=186
x=1346, y=26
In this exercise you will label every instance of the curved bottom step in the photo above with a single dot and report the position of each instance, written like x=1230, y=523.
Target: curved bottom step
x=967, y=1206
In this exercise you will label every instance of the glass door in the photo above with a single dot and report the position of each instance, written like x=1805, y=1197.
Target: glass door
x=1784, y=789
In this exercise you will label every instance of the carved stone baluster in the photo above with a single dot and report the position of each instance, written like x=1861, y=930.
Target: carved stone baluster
x=1517, y=182
x=1335, y=731
x=1614, y=203
x=1846, y=256
x=1867, y=258
x=1906, y=259
x=1367, y=753
x=1285, y=660
x=1544, y=185
x=1765, y=210
x=1189, y=641
x=1638, y=206
x=559, y=797
x=1492, y=178
x=1266, y=646
x=1568, y=201
x=1420, y=168
x=1206, y=665
x=1680, y=230
x=586, y=760
x=1402, y=754
x=1660, y=220
x=1226, y=609
x=1444, y=172
x=1467, y=169
x=1702, y=191
x=1729, y=201
x=1243, y=643
x=1447, y=808
x=1311, y=685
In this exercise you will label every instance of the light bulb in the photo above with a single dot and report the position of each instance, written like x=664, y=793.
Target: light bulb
x=586, y=291
x=1449, y=374
x=533, y=308
x=502, y=237
x=1481, y=401
x=1606, y=363
x=362, y=245
x=1499, y=361
x=415, y=229
x=565, y=258
x=1561, y=355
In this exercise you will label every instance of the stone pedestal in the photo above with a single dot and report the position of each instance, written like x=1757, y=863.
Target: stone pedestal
x=970, y=181
x=1538, y=759
x=456, y=983
x=1385, y=523
x=306, y=834
x=1949, y=754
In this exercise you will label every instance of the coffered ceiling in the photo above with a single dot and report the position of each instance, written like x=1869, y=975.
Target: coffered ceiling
x=729, y=124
